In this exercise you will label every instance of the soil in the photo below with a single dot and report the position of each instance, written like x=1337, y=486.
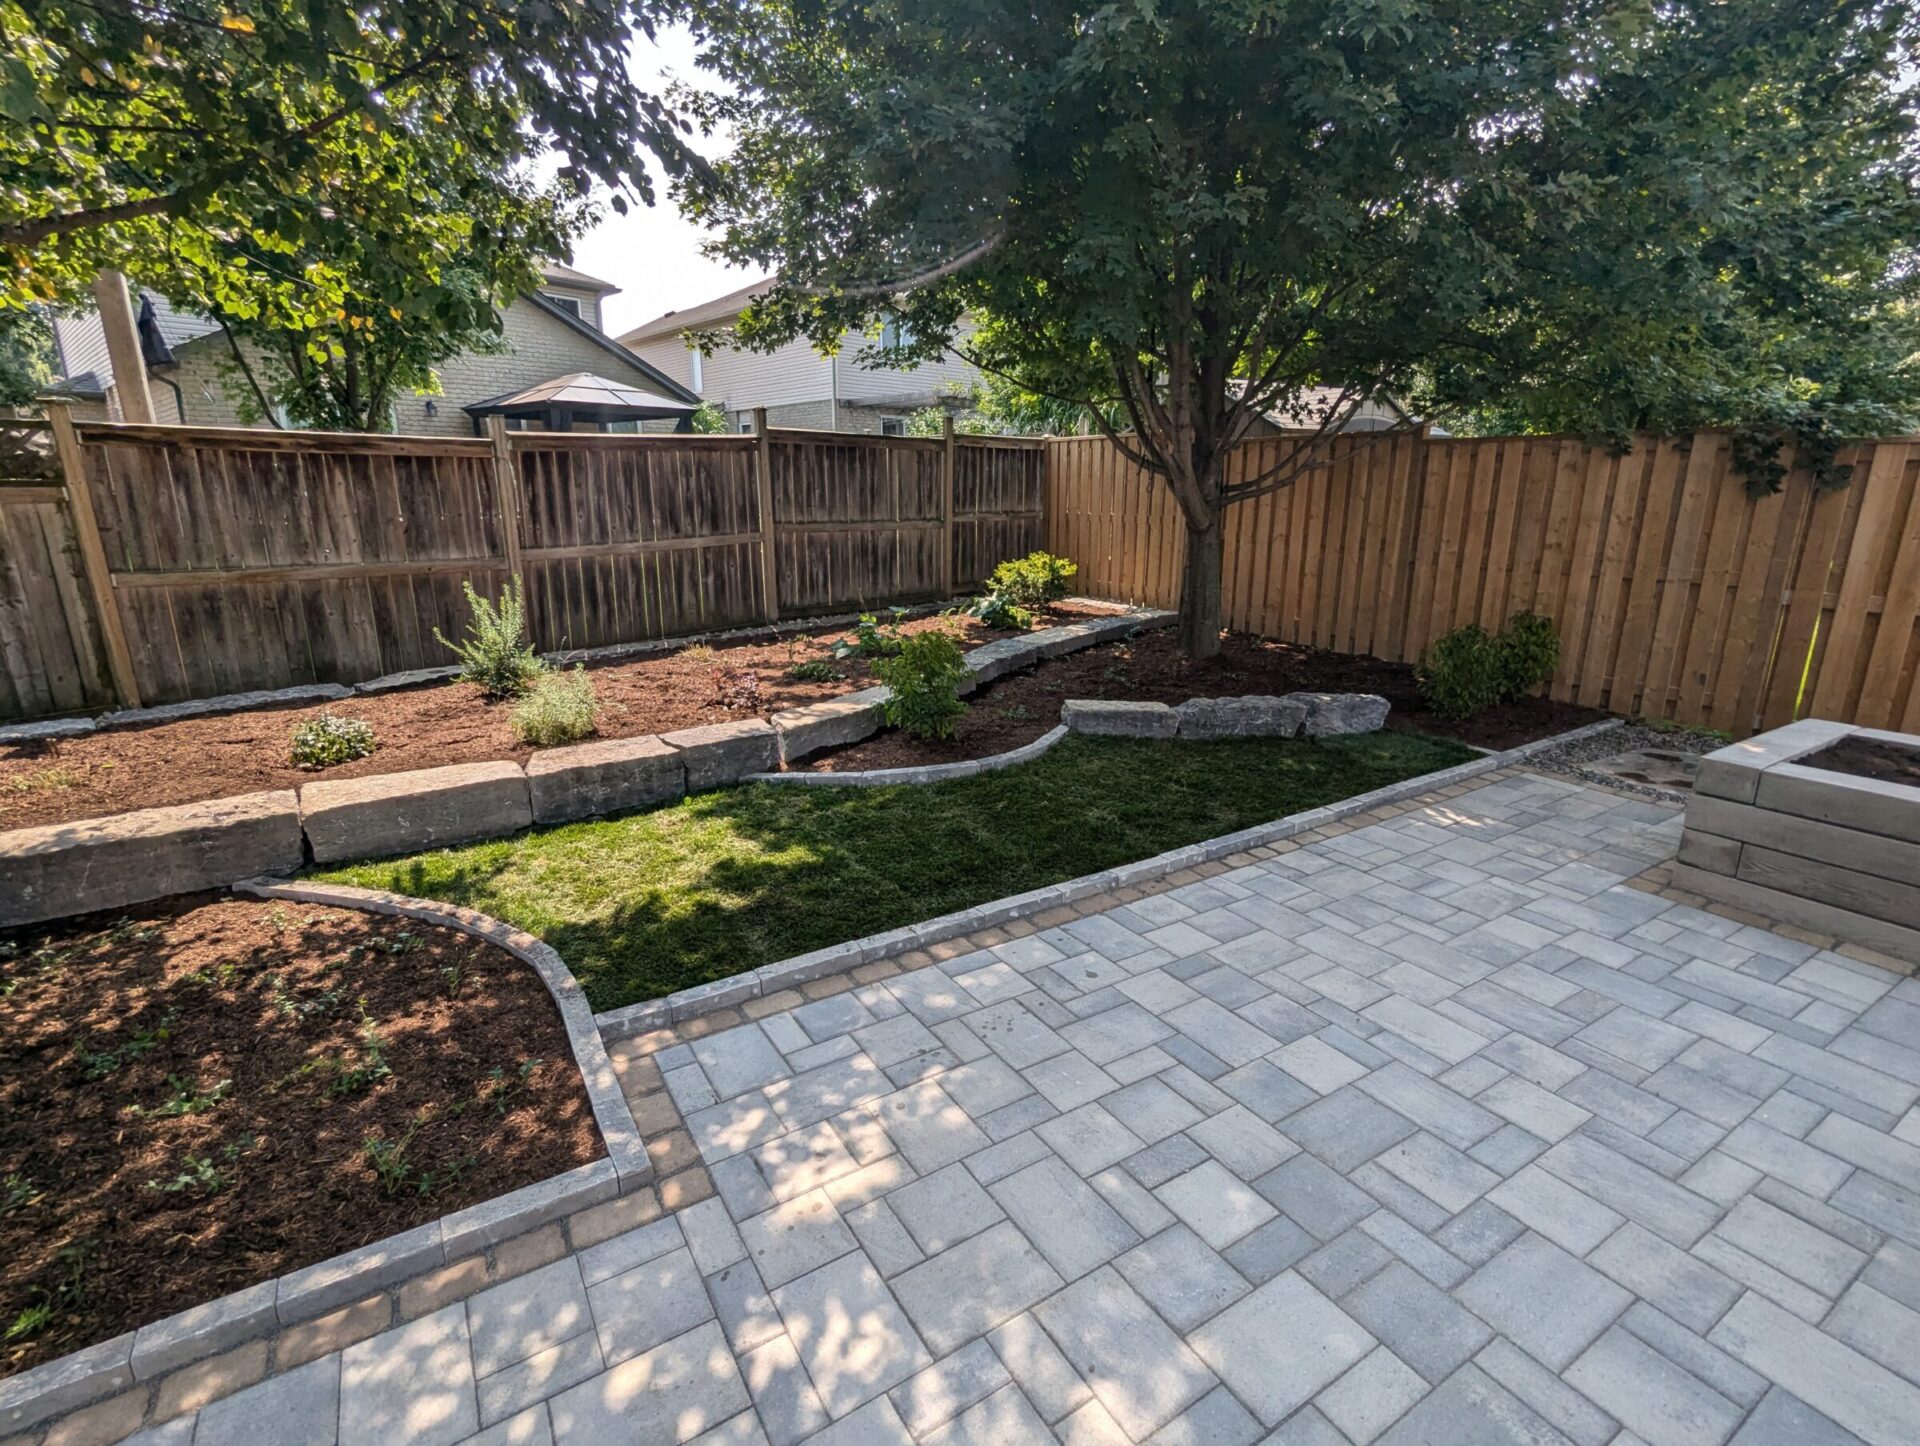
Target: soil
x=1872, y=758
x=186, y=1093
x=192, y=759
x=1020, y=708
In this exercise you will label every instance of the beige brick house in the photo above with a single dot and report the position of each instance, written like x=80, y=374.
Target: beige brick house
x=796, y=384
x=547, y=334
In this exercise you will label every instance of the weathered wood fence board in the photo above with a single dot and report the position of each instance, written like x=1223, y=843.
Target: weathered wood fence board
x=237, y=559
x=1677, y=596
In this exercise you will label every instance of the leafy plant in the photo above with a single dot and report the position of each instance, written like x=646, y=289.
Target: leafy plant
x=924, y=680
x=505, y=1089
x=997, y=610
x=1529, y=654
x=329, y=739
x=872, y=638
x=817, y=671
x=495, y=655
x=31, y=1320
x=1460, y=673
x=198, y=1174
x=1033, y=581
x=101, y=1063
x=17, y=1193
x=561, y=708
x=397, y=1175
x=188, y=1098
x=354, y=1079
x=736, y=689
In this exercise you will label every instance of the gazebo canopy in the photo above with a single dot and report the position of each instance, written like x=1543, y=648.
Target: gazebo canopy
x=581, y=397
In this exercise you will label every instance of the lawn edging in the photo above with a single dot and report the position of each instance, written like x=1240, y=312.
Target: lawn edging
x=149, y=1351
x=924, y=773
x=56, y=871
x=636, y=1019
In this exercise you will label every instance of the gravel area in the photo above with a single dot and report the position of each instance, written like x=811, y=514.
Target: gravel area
x=1577, y=758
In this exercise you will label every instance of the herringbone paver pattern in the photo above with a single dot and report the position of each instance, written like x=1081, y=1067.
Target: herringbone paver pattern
x=1429, y=1132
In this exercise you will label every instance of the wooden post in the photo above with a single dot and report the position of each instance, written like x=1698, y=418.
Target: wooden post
x=506, y=494
x=93, y=553
x=946, y=504
x=763, y=482
x=123, y=347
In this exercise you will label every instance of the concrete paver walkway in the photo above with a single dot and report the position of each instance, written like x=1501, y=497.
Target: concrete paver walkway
x=1430, y=1132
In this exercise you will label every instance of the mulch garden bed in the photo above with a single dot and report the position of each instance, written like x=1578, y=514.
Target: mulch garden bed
x=213, y=757
x=1151, y=669
x=207, y=1093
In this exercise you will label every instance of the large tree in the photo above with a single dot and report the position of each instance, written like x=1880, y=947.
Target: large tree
x=209, y=130
x=1199, y=211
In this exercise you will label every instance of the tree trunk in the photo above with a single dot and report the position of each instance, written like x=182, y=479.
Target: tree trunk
x=1200, y=589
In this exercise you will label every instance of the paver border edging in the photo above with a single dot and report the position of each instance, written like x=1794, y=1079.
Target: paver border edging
x=922, y=773
x=636, y=1019
x=151, y=1350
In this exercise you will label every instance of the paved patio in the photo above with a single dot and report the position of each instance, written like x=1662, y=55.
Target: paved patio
x=1430, y=1132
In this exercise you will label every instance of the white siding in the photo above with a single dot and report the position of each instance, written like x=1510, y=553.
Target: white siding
x=670, y=355
x=589, y=301
x=881, y=384
x=741, y=380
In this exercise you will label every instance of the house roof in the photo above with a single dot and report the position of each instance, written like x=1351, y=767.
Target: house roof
x=586, y=395
x=1310, y=409
x=559, y=275
x=672, y=323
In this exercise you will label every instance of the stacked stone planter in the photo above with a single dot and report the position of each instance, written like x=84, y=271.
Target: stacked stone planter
x=59, y=870
x=1827, y=851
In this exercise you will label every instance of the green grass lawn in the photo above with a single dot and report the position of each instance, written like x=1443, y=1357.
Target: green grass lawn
x=723, y=882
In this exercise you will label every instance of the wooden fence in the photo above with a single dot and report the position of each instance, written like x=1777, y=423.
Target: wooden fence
x=1676, y=595
x=158, y=563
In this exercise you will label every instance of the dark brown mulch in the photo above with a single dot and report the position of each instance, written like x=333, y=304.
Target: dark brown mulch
x=1873, y=758
x=200, y=758
x=186, y=1094
x=1151, y=669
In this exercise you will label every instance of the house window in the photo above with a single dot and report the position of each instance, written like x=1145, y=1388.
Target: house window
x=896, y=333
x=568, y=304
x=893, y=426
x=745, y=424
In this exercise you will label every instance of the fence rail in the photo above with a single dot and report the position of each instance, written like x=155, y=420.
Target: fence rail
x=152, y=564
x=1676, y=595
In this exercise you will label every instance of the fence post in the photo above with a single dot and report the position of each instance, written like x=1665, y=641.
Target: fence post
x=763, y=482
x=93, y=553
x=506, y=495
x=946, y=504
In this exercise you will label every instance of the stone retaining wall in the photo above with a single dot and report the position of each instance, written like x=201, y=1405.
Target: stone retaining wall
x=1822, y=850
x=60, y=870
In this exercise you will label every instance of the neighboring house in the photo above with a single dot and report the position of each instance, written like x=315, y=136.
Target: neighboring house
x=1309, y=413
x=796, y=384
x=550, y=336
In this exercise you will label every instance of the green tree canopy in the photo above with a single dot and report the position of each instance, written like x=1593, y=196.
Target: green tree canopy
x=204, y=130
x=1591, y=213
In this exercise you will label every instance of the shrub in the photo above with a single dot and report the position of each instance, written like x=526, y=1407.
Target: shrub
x=559, y=709
x=329, y=739
x=872, y=638
x=818, y=671
x=1032, y=581
x=736, y=689
x=495, y=654
x=1529, y=654
x=997, y=610
x=1460, y=673
x=925, y=681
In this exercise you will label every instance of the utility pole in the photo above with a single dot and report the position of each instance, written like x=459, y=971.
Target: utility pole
x=123, y=347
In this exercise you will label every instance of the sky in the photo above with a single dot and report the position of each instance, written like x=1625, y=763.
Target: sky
x=653, y=253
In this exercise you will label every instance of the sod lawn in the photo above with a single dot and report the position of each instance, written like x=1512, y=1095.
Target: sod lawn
x=719, y=883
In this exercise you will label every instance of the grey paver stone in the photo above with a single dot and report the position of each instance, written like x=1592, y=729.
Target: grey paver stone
x=788, y=1407
x=1280, y=1345
x=1650, y=1395
x=1318, y=1199
x=1218, y=1206
x=927, y=1127
x=1372, y=1396
x=795, y=1237
x=948, y=1387
x=1549, y=1205
x=413, y=1384
x=1543, y=1299
x=524, y=1316
x=1089, y=1139
x=1216, y=1419
x=852, y=1336
x=968, y=1290
x=1182, y=1277
x=943, y=1208
x=1470, y=1408
x=1833, y=1378
x=300, y=1407
x=546, y=1373
x=649, y=1304
x=1063, y=1216
x=1141, y=1372
x=1420, y=1323
x=671, y=1393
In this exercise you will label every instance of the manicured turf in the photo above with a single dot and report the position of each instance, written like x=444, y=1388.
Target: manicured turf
x=723, y=882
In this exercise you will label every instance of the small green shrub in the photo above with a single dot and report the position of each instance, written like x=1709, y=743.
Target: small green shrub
x=997, y=610
x=560, y=709
x=925, y=681
x=329, y=739
x=1460, y=673
x=1032, y=581
x=818, y=671
x=1529, y=654
x=495, y=654
x=872, y=638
